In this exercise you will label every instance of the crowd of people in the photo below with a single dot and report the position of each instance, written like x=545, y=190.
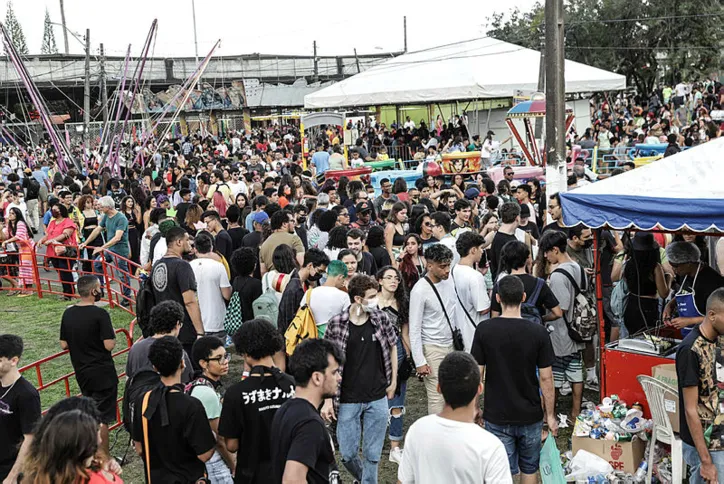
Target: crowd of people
x=238, y=242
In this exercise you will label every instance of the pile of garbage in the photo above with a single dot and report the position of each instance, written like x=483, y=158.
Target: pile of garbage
x=611, y=420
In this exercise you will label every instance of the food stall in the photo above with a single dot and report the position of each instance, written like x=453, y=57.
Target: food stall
x=681, y=193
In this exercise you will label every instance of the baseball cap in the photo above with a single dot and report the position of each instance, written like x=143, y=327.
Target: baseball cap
x=260, y=217
x=363, y=207
x=472, y=193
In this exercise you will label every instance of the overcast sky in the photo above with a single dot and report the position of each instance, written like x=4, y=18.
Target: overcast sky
x=266, y=26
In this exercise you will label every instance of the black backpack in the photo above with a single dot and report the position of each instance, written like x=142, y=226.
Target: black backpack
x=33, y=190
x=137, y=386
x=145, y=301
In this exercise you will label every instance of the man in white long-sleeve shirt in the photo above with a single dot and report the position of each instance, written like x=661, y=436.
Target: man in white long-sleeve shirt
x=430, y=328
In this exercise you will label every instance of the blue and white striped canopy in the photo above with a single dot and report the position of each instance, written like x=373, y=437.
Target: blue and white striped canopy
x=682, y=192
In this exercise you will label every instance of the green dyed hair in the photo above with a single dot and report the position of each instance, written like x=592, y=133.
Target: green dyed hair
x=337, y=268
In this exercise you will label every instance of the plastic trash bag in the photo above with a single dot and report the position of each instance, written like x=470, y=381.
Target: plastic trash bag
x=585, y=464
x=551, y=470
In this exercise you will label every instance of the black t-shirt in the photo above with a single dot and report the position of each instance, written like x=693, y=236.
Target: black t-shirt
x=511, y=349
x=237, y=234
x=253, y=240
x=181, y=209
x=697, y=359
x=84, y=328
x=224, y=244
x=247, y=414
x=532, y=229
x=546, y=299
x=249, y=288
x=381, y=256
x=298, y=434
x=607, y=255
x=171, y=278
x=552, y=226
x=174, y=447
x=364, y=371
x=19, y=411
x=496, y=248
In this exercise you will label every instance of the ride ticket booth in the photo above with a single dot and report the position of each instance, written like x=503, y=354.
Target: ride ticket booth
x=680, y=193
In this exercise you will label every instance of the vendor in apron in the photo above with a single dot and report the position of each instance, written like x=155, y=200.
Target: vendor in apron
x=699, y=281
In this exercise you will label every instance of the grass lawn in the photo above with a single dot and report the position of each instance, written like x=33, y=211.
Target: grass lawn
x=37, y=321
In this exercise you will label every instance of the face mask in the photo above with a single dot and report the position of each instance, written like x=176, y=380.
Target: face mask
x=588, y=244
x=97, y=296
x=372, y=304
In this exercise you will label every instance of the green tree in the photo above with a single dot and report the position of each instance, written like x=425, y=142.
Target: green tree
x=49, y=46
x=635, y=38
x=15, y=30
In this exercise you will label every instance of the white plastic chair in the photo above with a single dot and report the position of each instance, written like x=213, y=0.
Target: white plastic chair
x=662, y=431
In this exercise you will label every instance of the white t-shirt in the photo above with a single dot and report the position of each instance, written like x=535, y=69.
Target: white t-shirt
x=471, y=289
x=428, y=324
x=210, y=278
x=237, y=188
x=326, y=303
x=442, y=450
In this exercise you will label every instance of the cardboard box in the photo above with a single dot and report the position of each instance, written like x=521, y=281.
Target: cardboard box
x=623, y=456
x=667, y=374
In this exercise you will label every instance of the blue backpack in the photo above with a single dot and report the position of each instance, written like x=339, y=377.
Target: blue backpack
x=528, y=309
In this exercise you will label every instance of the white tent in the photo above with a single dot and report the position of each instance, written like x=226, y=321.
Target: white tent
x=681, y=192
x=476, y=69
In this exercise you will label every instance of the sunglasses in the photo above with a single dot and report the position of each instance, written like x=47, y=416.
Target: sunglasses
x=510, y=173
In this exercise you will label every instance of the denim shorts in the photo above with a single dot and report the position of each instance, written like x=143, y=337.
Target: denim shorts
x=522, y=444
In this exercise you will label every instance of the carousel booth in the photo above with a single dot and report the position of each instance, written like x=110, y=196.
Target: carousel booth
x=679, y=194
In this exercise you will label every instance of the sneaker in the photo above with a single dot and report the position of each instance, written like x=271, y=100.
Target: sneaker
x=592, y=383
x=566, y=389
x=396, y=455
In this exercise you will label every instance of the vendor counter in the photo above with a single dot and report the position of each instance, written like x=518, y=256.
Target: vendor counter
x=625, y=360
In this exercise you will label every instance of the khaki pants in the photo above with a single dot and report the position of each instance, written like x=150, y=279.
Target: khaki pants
x=434, y=356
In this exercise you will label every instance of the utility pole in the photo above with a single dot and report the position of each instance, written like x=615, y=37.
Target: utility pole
x=404, y=32
x=65, y=29
x=316, y=62
x=555, y=98
x=196, y=42
x=356, y=60
x=541, y=88
x=104, y=92
x=86, y=93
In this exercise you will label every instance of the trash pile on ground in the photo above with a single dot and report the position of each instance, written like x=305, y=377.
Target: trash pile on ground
x=610, y=446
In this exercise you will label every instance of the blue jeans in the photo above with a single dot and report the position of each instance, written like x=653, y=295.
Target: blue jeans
x=522, y=444
x=691, y=457
x=399, y=400
x=350, y=421
x=120, y=266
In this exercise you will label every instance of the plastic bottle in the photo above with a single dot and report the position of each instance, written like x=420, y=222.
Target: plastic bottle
x=640, y=475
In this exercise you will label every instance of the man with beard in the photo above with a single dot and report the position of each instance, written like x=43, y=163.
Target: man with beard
x=301, y=447
x=365, y=261
x=173, y=279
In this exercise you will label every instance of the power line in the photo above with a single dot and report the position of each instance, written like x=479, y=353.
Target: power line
x=685, y=47
x=642, y=19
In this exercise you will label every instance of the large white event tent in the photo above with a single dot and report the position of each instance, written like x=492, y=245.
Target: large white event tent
x=482, y=68
x=681, y=192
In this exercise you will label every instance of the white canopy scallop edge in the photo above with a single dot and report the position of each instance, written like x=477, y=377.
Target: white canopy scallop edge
x=482, y=68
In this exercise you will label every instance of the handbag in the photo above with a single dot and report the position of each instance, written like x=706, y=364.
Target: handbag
x=457, y=336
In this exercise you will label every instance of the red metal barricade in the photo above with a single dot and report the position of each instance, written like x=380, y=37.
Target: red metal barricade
x=57, y=274
x=65, y=379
